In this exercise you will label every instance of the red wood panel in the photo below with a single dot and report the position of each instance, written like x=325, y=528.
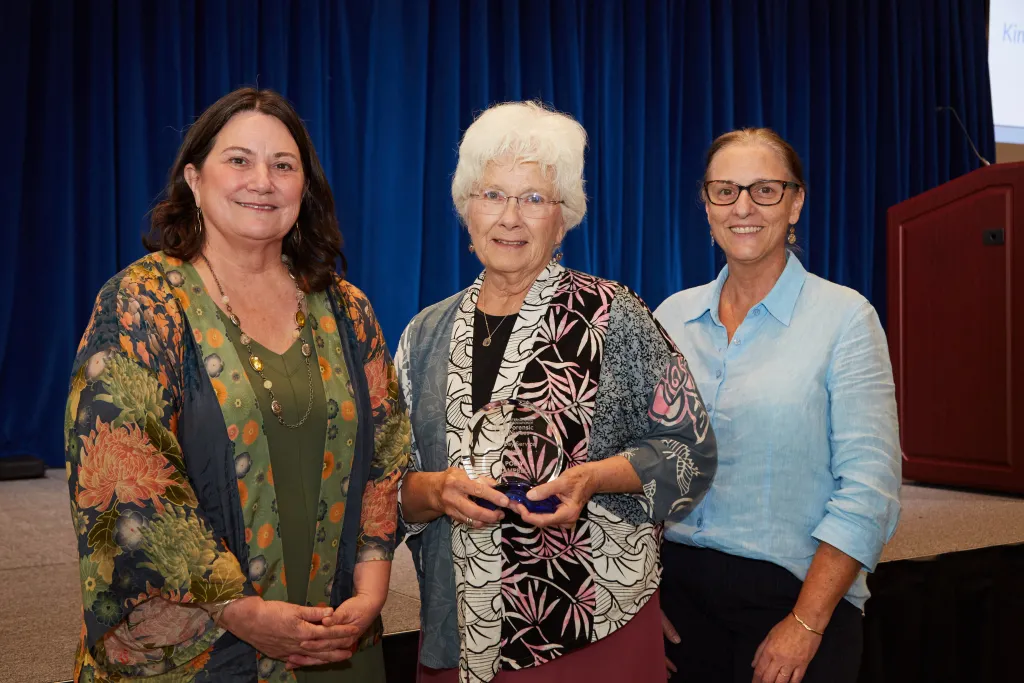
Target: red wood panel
x=956, y=322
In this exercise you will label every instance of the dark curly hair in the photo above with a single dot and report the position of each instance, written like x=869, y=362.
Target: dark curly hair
x=314, y=251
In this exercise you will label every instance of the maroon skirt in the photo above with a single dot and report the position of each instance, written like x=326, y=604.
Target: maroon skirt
x=636, y=652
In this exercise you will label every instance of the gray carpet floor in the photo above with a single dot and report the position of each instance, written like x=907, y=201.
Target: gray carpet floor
x=39, y=594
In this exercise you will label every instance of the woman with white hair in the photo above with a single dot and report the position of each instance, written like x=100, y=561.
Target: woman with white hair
x=510, y=594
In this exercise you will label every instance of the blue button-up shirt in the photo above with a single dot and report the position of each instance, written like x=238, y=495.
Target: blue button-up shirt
x=803, y=406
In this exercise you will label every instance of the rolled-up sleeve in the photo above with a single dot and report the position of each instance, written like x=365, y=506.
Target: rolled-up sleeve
x=861, y=515
x=677, y=459
x=378, y=533
x=402, y=358
x=657, y=406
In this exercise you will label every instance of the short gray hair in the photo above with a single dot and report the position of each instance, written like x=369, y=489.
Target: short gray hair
x=526, y=131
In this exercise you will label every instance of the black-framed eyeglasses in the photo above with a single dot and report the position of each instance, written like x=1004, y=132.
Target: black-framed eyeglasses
x=531, y=204
x=763, y=192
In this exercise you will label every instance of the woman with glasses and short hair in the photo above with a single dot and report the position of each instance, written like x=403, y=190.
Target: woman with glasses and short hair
x=511, y=594
x=766, y=577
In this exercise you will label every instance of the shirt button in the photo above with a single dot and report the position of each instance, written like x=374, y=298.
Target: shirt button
x=737, y=341
x=757, y=312
x=718, y=374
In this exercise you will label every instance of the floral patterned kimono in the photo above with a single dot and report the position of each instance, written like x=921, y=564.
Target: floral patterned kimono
x=588, y=352
x=172, y=492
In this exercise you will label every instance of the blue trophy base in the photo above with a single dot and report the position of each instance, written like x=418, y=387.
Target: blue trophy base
x=516, y=492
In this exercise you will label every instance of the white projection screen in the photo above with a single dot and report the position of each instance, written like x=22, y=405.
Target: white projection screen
x=1006, y=67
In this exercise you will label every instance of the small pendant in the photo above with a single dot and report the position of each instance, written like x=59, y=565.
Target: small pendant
x=275, y=407
x=300, y=318
x=245, y=339
x=234, y=320
x=256, y=363
x=307, y=351
x=487, y=342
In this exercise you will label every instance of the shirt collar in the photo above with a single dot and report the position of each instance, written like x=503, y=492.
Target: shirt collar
x=780, y=302
x=708, y=302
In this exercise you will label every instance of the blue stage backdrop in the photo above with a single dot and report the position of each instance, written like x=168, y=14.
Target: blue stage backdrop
x=100, y=93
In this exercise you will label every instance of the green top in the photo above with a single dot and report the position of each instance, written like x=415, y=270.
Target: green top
x=295, y=454
x=297, y=458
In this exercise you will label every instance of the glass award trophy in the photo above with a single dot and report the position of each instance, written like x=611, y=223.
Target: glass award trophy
x=516, y=444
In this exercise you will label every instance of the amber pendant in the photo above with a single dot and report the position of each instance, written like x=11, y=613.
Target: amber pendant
x=300, y=318
x=256, y=363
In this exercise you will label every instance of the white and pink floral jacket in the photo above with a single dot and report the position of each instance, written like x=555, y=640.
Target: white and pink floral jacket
x=589, y=353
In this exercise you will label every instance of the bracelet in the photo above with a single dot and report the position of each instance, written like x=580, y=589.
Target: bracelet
x=215, y=609
x=804, y=624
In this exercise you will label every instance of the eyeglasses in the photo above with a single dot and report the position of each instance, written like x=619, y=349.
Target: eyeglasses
x=531, y=204
x=763, y=192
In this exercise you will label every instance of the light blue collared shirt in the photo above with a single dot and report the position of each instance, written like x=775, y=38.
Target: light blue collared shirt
x=803, y=405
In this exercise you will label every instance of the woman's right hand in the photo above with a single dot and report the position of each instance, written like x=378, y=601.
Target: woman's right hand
x=277, y=629
x=452, y=496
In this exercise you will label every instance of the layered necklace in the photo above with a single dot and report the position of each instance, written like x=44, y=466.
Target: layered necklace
x=255, y=362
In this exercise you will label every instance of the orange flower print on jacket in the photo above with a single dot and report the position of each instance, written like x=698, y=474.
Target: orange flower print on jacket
x=121, y=461
x=379, y=381
x=378, y=513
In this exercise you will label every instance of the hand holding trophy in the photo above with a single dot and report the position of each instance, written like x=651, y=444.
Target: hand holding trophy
x=516, y=444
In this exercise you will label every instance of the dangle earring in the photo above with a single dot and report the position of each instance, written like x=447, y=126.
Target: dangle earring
x=199, y=222
x=791, y=238
x=712, y=237
x=296, y=235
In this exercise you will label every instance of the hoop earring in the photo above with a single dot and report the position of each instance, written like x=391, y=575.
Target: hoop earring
x=199, y=222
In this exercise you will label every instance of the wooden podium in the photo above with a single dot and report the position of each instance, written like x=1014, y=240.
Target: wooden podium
x=956, y=324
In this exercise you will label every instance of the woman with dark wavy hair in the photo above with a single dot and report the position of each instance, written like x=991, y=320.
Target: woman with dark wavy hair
x=234, y=432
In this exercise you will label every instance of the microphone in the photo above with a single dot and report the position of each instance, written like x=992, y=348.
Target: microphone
x=983, y=160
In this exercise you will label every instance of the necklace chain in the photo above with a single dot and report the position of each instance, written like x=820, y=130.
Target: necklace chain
x=487, y=326
x=256, y=363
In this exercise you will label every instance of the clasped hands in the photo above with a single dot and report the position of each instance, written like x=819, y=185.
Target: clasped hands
x=300, y=635
x=454, y=494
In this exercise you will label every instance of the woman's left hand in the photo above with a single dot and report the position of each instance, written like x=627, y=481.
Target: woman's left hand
x=573, y=488
x=785, y=653
x=359, y=611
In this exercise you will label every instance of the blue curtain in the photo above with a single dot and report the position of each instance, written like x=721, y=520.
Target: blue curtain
x=100, y=92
